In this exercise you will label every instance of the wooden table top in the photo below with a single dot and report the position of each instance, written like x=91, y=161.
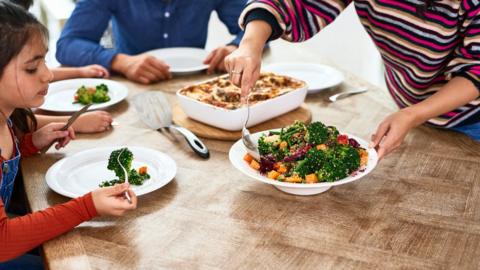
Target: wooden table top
x=419, y=209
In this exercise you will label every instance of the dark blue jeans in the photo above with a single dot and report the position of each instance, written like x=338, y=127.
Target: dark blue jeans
x=24, y=262
x=472, y=130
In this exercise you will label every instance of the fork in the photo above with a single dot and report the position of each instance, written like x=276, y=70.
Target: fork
x=348, y=93
x=251, y=146
x=126, y=175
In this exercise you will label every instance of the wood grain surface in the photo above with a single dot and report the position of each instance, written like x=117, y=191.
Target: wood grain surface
x=210, y=132
x=419, y=209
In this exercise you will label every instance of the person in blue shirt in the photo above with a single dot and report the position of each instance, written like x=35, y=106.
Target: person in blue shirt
x=142, y=25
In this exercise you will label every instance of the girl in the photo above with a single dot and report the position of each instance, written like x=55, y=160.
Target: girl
x=90, y=122
x=430, y=51
x=24, y=79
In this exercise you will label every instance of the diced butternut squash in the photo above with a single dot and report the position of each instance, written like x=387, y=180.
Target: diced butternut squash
x=142, y=170
x=248, y=158
x=282, y=169
x=363, y=157
x=294, y=179
x=311, y=178
x=277, y=165
x=283, y=145
x=255, y=165
x=322, y=147
x=273, y=175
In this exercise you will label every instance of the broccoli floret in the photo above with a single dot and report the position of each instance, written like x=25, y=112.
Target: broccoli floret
x=265, y=147
x=135, y=178
x=102, y=87
x=348, y=156
x=339, y=163
x=332, y=171
x=270, y=145
x=317, y=133
x=126, y=158
x=86, y=95
x=83, y=96
x=332, y=133
x=314, y=160
x=110, y=183
x=100, y=97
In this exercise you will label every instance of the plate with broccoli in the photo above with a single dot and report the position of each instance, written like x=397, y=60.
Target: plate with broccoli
x=305, y=159
x=76, y=175
x=71, y=95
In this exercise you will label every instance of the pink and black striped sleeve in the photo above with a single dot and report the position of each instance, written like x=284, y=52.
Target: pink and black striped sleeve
x=293, y=20
x=466, y=61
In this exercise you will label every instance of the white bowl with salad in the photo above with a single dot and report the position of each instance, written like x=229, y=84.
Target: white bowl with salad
x=305, y=159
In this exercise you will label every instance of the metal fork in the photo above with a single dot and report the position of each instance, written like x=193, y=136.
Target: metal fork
x=348, y=93
x=126, y=175
x=251, y=146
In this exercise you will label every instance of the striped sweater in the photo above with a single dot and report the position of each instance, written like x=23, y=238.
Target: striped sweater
x=421, y=50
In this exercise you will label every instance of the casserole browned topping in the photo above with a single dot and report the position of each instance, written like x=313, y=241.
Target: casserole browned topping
x=222, y=93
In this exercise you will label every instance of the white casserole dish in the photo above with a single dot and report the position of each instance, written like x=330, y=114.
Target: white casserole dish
x=233, y=120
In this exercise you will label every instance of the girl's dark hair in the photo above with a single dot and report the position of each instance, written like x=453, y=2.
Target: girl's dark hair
x=26, y=4
x=17, y=27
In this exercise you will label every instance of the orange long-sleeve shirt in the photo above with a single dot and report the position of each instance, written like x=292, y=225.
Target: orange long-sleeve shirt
x=21, y=234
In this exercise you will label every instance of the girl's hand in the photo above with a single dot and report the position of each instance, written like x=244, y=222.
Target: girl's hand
x=93, y=71
x=243, y=65
x=92, y=122
x=111, y=201
x=392, y=131
x=51, y=132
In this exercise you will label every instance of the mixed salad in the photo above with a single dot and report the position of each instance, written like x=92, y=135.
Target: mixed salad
x=89, y=95
x=135, y=177
x=308, y=153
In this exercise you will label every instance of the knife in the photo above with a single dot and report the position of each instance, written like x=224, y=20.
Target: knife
x=69, y=123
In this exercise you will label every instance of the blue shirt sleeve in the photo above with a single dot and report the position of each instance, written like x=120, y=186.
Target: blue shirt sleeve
x=79, y=43
x=228, y=12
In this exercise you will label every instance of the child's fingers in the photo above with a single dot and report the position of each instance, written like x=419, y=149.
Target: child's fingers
x=133, y=197
x=117, y=189
x=55, y=135
x=71, y=133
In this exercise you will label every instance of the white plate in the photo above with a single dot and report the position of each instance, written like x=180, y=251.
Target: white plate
x=182, y=60
x=82, y=172
x=318, y=77
x=60, y=95
x=237, y=152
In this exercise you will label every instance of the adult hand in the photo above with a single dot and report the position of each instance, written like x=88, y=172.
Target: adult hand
x=93, y=71
x=243, y=65
x=111, y=201
x=142, y=68
x=392, y=131
x=51, y=132
x=92, y=122
x=216, y=58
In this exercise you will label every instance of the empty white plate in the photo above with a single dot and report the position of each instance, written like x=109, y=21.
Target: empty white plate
x=318, y=77
x=60, y=95
x=182, y=60
x=83, y=172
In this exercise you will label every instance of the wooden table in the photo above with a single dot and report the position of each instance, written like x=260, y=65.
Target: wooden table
x=419, y=209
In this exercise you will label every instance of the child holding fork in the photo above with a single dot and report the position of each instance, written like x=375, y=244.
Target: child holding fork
x=90, y=122
x=24, y=80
